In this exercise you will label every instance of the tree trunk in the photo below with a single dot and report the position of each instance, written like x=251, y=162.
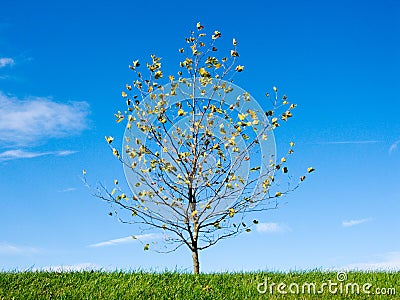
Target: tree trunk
x=196, y=265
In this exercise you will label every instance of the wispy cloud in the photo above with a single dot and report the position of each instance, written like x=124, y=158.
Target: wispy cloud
x=351, y=223
x=271, y=227
x=393, y=147
x=67, y=190
x=9, y=249
x=69, y=268
x=129, y=239
x=350, y=142
x=20, y=153
x=6, y=61
x=26, y=120
x=388, y=261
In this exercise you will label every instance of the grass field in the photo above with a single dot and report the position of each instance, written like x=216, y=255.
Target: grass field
x=176, y=285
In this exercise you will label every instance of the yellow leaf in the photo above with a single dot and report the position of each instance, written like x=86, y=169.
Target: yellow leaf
x=115, y=181
x=310, y=169
x=278, y=194
x=283, y=159
x=115, y=152
x=181, y=112
x=291, y=144
x=199, y=26
x=302, y=178
x=194, y=213
x=239, y=68
x=216, y=35
x=136, y=63
x=204, y=73
x=84, y=172
x=124, y=94
x=242, y=116
x=109, y=139
x=275, y=89
x=232, y=212
x=234, y=53
x=234, y=42
x=146, y=247
x=158, y=74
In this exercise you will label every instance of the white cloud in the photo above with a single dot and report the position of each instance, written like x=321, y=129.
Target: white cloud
x=129, y=239
x=10, y=249
x=69, y=268
x=393, y=147
x=354, y=222
x=271, y=227
x=67, y=190
x=388, y=261
x=6, y=61
x=19, y=153
x=31, y=119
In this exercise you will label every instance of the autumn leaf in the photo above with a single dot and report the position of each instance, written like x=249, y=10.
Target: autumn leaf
x=136, y=63
x=199, y=26
x=115, y=152
x=158, y=74
x=232, y=212
x=234, y=53
x=239, y=68
x=204, y=73
x=242, y=116
x=109, y=139
x=124, y=94
x=310, y=169
x=216, y=35
x=146, y=247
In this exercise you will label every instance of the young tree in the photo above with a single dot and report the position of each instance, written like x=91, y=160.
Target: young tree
x=198, y=151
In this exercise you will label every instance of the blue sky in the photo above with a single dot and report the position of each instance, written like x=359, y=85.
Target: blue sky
x=63, y=65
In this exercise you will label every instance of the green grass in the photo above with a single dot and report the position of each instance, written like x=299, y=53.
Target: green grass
x=176, y=285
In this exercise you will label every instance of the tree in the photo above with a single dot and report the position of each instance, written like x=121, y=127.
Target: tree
x=198, y=151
